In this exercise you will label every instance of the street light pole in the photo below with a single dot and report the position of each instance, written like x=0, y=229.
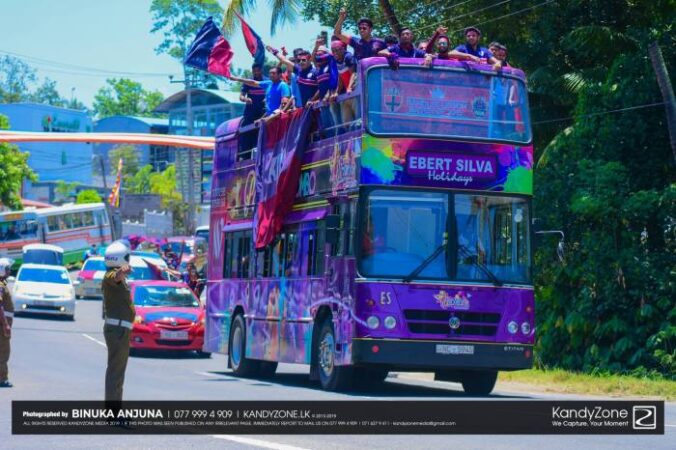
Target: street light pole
x=190, y=222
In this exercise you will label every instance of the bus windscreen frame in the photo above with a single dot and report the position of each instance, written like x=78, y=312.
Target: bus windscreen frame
x=472, y=106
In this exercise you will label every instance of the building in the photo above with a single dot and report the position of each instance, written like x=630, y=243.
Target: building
x=52, y=161
x=158, y=156
x=210, y=108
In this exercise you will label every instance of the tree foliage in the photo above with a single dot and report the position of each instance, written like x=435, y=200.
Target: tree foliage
x=130, y=162
x=605, y=177
x=127, y=98
x=88, y=196
x=164, y=185
x=14, y=169
x=16, y=80
x=139, y=183
x=283, y=11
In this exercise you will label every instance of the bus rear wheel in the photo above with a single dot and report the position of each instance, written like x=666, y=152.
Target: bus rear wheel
x=241, y=365
x=479, y=382
x=331, y=376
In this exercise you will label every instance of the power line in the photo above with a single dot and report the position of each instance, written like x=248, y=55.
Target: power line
x=508, y=15
x=66, y=66
x=600, y=113
x=486, y=8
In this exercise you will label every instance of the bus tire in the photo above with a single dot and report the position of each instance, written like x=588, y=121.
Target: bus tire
x=331, y=377
x=240, y=364
x=479, y=382
x=267, y=369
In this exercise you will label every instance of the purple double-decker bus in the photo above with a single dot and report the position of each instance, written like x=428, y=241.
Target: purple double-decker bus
x=408, y=246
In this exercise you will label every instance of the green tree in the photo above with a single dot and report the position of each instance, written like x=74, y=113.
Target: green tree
x=126, y=97
x=16, y=79
x=14, y=169
x=48, y=94
x=130, y=163
x=139, y=183
x=65, y=190
x=164, y=185
x=283, y=11
x=88, y=196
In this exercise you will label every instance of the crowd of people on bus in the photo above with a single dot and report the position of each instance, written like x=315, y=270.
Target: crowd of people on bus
x=310, y=77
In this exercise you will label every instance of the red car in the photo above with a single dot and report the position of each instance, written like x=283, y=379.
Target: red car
x=168, y=317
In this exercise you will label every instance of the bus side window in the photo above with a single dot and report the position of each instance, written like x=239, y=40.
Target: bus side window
x=76, y=219
x=88, y=218
x=278, y=256
x=314, y=248
x=244, y=253
x=226, y=254
x=346, y=212
x=65, y=222
x=291, y=261
x=52, y=223
x=234, y=253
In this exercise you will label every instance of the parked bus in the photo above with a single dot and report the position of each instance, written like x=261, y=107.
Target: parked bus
x=74, y=228
x=408, y=247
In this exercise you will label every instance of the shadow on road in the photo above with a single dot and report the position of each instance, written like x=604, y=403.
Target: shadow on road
x=44, y=316
x=390, y=388
x=165, y=354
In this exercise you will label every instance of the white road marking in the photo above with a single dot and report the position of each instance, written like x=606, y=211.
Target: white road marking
x=669, y=425
x=256, y=442
x=94, y=339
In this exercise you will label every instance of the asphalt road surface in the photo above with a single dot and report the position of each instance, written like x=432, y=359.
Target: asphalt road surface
x=53, y=359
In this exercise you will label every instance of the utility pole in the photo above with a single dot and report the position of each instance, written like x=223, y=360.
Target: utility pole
x=667, y=91
x=190, y=219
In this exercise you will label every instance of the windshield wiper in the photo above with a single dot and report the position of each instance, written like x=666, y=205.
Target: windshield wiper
x=408, y=278
x=475, y=259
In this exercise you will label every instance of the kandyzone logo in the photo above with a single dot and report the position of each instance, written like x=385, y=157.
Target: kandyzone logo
x=645, y=417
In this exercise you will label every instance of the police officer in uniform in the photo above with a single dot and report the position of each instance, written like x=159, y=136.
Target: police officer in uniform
x=6, y=318
x=119, y=317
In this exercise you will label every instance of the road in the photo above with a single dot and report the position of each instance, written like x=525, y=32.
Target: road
x=53, y=359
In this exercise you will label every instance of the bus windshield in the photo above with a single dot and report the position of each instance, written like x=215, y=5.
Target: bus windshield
x=468, y=237
x=18, y=229
x=447, y=102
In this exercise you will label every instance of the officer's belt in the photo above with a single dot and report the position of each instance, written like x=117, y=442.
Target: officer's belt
x=9, y=314
x=118, y=323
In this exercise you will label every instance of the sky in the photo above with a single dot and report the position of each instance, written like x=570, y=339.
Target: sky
x=62, y=38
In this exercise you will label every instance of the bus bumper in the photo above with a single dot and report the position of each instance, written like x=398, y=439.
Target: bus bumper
x=430, y=355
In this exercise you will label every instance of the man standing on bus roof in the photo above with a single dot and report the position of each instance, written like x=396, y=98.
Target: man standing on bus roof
x=306, y=75
x=404, y=48
x=253, y=98
x=365, y=47
x=443, y=46
x=119, y=317
x=6, y=318
x=277, y=92
x=472, y=47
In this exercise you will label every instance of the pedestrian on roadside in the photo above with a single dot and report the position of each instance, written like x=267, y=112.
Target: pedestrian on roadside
x=119, y=317
x=6, y=318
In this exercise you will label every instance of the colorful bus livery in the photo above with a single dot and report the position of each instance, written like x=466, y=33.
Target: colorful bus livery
x=74, y=228
x=407, y=246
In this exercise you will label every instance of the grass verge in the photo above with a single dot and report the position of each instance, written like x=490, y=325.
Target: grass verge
x=557, y=380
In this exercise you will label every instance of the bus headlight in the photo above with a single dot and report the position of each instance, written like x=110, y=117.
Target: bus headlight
x=390, y=322
x=373, y=322
x=512, y=327
x=525, y=328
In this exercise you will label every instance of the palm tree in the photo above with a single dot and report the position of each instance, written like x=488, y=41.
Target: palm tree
x=283, y=11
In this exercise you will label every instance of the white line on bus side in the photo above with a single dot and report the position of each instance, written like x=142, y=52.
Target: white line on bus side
x=95, y=340
x=256, y=442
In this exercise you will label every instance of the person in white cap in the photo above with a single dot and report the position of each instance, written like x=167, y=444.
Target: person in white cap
x=6, y=318
x=119, y=316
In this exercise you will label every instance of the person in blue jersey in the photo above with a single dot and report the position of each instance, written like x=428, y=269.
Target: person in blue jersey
x=404, y=48
x=254, y=101
x=306, y=75
x=277, y=92
x=479, y=53
x=366, y=46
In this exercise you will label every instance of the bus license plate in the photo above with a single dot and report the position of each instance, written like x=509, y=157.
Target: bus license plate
x=167, y=334
x=446, y=349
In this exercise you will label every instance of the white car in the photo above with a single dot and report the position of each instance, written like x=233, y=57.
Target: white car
x=41, y=288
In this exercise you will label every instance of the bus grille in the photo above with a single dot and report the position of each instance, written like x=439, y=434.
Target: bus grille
x=422, y=321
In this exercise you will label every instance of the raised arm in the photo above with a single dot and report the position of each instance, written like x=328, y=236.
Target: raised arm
x=433, y=40
x=248, y=82
x=338, y=28
x=281, y=57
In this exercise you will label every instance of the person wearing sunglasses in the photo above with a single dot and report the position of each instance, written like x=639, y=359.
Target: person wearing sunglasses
x=306, y=74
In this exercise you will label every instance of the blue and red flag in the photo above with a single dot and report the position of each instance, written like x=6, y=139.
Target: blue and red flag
x=253, y=42
x=210, y=51
x=281, y=144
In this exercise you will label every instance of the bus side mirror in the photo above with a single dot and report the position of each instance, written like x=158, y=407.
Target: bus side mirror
x=560, y=247
x=332, y=228
x=560, y=252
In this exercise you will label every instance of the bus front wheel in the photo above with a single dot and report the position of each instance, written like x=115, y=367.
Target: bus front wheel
x=479, y=382
x=241, y=365
x=331, y=376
